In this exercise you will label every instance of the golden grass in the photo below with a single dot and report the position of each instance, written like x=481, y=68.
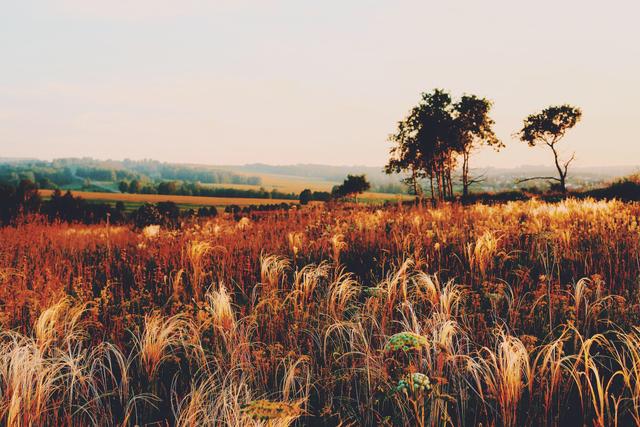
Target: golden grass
x=519, y=314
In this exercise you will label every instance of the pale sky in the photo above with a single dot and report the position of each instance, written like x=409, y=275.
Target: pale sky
x=282, y=82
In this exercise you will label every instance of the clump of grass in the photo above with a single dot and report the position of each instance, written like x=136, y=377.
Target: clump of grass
x=505, y=374
x=196, y=251
x=161, y=337
x=338, y=244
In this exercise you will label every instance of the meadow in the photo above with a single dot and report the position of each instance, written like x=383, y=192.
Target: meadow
x=516, y=314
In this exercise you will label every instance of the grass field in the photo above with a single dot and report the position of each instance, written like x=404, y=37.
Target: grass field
x=522, y=314
x=294, y=184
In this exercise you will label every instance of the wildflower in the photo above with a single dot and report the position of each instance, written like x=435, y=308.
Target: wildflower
x=406, y=341
x=415, y=383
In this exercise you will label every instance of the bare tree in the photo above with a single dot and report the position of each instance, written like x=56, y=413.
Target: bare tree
x=549, y=127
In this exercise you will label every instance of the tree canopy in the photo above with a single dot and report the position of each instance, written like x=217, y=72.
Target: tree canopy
x=352, y=186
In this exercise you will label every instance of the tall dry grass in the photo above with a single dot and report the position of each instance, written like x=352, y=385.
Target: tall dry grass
x=519, y=314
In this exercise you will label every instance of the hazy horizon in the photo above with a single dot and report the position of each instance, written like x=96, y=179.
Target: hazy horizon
x=529, y=166
x=280, y=83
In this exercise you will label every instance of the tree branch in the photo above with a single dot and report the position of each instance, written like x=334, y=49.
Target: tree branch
x=566, y=164
x=476, y=179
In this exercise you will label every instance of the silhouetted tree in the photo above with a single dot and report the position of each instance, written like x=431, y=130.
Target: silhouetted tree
x=426, y=144
x=352, y=186
x=549, y=127
x=147, y=214
x=123, y=186
x=170, y=213
x=305, y=196
x=207, y=212
x=22, y=199
x=321, y=196
x=474, y=128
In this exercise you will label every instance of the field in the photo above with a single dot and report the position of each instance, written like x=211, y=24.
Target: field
x=291, y=184
x=180, y=200
x=295, y=184
x=133, y=201
x=508, y=315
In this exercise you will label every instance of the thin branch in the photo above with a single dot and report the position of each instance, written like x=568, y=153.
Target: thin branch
x=476, y=179
x=566, y=164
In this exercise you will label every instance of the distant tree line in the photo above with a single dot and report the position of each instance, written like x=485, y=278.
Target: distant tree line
x=204, y=175
x=197, y=189
x=44, y=177
x=67, y=172
x=22, y=200
x=307, y=196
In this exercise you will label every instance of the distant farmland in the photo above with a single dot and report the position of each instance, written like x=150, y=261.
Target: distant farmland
x=132, y=201
x=128, y=198
x=295, y=184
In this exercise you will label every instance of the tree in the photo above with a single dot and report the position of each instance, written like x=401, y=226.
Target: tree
x=352, y=186
x=168, y=187
x=426, y=145
x=305, y=196
x=549, y=127
x=147, y=214
x=135, y=186
x=123, y=186
x=170, y=212
x=321, y=196
x=474, y=127
x=17, y=200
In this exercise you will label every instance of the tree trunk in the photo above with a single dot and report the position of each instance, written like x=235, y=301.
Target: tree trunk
x=416, y=187
x=433, y=192
x=563, y=175
x=465, y=175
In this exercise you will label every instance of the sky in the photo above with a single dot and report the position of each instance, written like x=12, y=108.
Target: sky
x=284, y=82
